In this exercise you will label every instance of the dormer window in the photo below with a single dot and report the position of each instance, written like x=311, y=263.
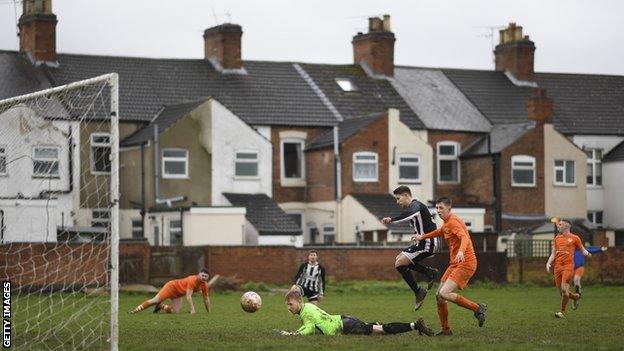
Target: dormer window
x=346, y=84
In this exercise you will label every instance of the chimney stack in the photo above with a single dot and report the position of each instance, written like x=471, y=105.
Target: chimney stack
x=515, y=53
x=376, y=48
x=37, y=30
x=222, y=46
x=540, y=107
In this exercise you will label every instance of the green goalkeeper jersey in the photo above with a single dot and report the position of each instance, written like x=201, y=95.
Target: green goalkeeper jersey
x=316, y=320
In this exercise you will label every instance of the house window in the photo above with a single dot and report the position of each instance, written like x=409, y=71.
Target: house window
x=594, y=167
x=329, y=234
x=137, y=228
x=175, y=163
x=564, y=172
x=246, y=164
x=409, y=168
x=448, y=162
x=346, y=84
x=3, y=163
x=175, y=232
x=292, y=159
x=100, y=153
x=100, y=218
x=595, y=217
x=365, y=167
x=46, y=162
x=522, y=170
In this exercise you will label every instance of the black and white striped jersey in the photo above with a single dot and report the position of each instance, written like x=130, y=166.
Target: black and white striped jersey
x=311, y=277
x=421, y=220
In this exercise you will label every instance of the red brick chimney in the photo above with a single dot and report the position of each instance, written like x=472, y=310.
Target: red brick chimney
x=37, y=30
x=540, y=107
x=376, y=47
x=222, y=45
x=515, y=53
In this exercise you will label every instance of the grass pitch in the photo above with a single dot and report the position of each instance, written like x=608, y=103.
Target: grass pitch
x=518, y=318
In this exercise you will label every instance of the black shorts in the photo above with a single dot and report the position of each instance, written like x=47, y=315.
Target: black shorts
x=310, y=294
x=354, y=326
x=417, y=252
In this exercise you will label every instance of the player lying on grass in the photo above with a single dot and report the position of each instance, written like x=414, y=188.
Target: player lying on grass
x=317, y=321
x=175, y=290
x=563, y=256
x=463, y=264
x=419, y=218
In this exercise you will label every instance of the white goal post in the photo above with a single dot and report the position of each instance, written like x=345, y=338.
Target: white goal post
x=59, y=214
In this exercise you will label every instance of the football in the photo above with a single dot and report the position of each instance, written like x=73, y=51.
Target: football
x=251, y=302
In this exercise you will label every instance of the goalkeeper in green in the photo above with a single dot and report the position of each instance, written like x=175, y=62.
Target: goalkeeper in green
x=317, y=321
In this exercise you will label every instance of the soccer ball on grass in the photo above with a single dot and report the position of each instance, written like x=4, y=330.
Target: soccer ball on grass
x=251, y=302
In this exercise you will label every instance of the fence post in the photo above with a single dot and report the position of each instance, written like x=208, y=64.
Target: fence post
x=521, y=263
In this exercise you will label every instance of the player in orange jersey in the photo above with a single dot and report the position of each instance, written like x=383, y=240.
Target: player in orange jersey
x=175, y=290
x=463, y=264
x=563, y=256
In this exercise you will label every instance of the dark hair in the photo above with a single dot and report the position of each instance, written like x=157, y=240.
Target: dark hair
x=312, y=251
x=445, y=200
x=204, y=270
x=403, y=189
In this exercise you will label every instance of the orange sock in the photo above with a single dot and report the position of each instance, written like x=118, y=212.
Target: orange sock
x=142, y=306
x=443, y=315
x=564, y=303
x=573, y=296
x=465, y=303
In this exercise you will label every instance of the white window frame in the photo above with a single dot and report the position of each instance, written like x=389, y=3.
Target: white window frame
x=57, y=160
x=524, y=159
x=293, y=181
x=184, y=159
x=593, y=216
x=100, y=145
x=595, y=163
x=375, y=162
x=173, y=230
x=3, y=155
x=409, y=163
x=100, y=220
x=454, y=157
x=346, y=84
x=326, y=232
x=563, y=169
x=247, y=160
x=134, y=229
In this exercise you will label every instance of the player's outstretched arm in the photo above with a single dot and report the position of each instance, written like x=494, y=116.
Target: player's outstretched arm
x=207, y=304
x=189, y=298
x=432, y=234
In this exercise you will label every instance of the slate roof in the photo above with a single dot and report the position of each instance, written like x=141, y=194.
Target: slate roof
x=167, y=116
x=586, y=103
x=346, y=130
x=501, y=136
x=372, y=95
x=264, y=214
x=498, y=99
x=437, y=101
x=271, y=93
x=383, y=205
x=616, y=154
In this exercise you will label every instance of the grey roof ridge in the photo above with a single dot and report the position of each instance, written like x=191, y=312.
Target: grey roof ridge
x=317, y=90
x=473, y=145
x=520, y=83
x=491, y=70
x=468, y=98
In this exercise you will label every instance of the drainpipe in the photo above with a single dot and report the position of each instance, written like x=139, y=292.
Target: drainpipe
x=143, y=207
x=338, y=186
x=155, y=147
x=496, y=187
x=1, y=226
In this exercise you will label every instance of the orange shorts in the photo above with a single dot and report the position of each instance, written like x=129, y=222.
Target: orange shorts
x=563, y=276
x=579, y=271
x=167, y=292
x=460, y=274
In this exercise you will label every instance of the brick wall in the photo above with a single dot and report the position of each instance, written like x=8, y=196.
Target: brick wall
x=320, y=175
x=606, y=267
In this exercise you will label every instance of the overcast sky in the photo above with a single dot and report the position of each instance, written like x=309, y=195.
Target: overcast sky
x=572, y=36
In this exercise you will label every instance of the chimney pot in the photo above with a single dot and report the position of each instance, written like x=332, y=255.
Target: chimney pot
x=515, y=53
x=37, y=30
x=376, y=48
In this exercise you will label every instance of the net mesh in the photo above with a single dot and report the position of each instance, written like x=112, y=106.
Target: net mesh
x=55, y=216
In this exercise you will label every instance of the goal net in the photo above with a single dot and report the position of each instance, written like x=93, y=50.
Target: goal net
x=59, y=215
